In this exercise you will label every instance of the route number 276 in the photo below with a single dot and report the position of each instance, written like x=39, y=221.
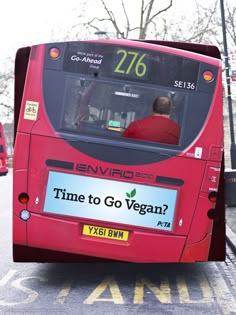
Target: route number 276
x=126, y=64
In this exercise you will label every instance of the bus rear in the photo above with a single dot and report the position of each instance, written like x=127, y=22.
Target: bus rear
x=81, y=189
x=3, y=153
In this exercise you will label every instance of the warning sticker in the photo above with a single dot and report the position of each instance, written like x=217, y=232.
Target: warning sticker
x=31, y=110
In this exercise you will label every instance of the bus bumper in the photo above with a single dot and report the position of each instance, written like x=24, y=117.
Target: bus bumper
x=49, y=233
x=198, y=251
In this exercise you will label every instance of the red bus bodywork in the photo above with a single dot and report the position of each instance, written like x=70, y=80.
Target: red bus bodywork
x=40, y=150
x=3, y=153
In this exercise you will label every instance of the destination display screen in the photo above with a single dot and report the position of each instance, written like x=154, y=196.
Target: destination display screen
x=131, y=63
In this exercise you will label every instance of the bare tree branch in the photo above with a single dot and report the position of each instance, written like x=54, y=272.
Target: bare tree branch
x=141, y=18
x=161, y=11
x=231, y=23
x=6, y=84
x=143, y=30
x=150, y=17
x=127, y=19
x=113, y=20
x=121, y=19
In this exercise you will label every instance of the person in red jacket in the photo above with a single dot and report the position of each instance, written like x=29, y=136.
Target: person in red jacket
x=158, y=127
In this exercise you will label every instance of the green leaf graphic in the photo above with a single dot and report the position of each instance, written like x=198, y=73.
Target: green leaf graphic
x=133, y=193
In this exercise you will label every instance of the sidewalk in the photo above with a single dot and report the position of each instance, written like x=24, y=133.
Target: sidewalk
x=230, y=217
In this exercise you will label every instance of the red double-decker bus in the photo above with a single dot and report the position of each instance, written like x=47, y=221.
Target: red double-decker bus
x=3, y=153
x=82, y=189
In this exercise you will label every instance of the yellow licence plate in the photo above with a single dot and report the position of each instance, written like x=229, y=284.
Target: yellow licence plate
x=103, y=232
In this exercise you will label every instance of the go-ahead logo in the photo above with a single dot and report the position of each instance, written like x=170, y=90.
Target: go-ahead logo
x=86, y=59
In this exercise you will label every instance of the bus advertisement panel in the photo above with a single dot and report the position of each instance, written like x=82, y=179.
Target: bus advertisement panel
x=118, y=152
x=3, y=153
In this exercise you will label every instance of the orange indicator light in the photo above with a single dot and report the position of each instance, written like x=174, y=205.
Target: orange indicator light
x=208, y=76
x=54, y=53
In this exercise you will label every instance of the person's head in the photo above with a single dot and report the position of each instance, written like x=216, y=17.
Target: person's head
x=162, y=105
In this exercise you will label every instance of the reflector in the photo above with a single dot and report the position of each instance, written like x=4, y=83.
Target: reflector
x=25, y=215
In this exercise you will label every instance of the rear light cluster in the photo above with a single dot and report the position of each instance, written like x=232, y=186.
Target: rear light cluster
x=213, y=197
x=24, y=198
